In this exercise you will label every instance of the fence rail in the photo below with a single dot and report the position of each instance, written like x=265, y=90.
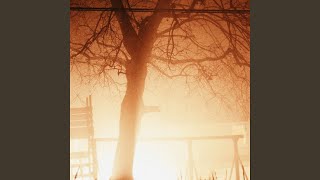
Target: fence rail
x=189, y=141
x=235, y=137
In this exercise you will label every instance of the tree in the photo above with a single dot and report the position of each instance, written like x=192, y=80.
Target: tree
x=211, y=49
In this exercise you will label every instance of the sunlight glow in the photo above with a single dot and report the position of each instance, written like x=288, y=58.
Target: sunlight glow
x=158, y=161
x=153, y=160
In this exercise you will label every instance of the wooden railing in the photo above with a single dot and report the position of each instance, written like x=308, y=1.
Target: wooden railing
x=189, y=141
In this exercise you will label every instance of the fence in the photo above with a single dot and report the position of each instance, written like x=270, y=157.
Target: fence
x=189, y=141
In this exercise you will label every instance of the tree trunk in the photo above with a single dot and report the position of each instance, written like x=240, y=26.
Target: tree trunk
x=139, y=46
x=131, y=112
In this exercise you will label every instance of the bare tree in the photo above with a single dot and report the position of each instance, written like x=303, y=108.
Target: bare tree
x=210, y=49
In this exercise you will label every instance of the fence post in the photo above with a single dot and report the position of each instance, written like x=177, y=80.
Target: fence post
x=190, y=159
x=236, y=157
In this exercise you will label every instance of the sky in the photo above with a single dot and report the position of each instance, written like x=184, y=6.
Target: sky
x=182, y=113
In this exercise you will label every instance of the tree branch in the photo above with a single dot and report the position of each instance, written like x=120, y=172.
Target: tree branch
x=191, y=60
x=130, y=37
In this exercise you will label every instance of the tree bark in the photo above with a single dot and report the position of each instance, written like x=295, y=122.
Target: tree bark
x=139, y=46
x=131, y=113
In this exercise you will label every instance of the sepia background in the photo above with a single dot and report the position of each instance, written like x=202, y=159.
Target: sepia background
x=197, y=81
